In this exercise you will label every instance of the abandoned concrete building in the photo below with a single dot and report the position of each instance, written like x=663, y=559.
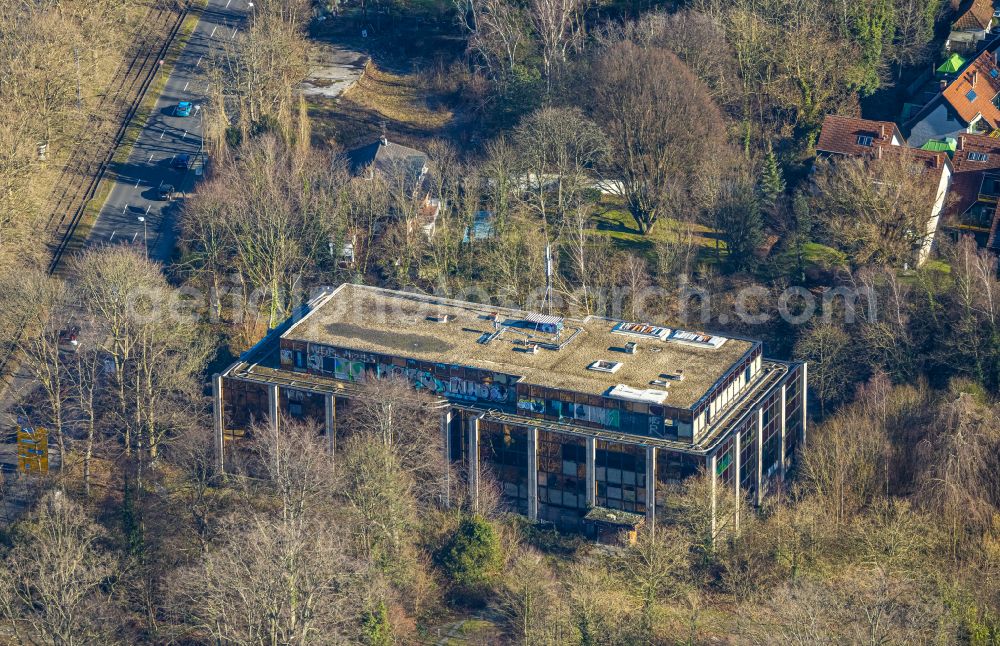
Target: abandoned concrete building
x=584, y=422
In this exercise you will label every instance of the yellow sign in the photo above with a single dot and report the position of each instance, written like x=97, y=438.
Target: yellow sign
x=33, y=450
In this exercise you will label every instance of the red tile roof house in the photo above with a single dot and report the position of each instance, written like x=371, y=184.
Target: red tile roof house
x=971, y=26
x=971, y=207
x=848, y=136
x=851, y=136
x=966, y=105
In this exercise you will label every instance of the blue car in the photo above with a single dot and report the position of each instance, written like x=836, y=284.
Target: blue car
x=183, y=109
x=182, y=162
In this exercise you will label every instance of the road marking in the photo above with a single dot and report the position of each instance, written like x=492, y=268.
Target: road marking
x=184, y=136
x=172, y=159
x=125, y=209
x=135, y=236
x=112, y=235
x=150, y=158
x=198, y=64
x=137, y=183
x=228, y=3
x=212, y=35
x=147, y=209
x=163, y=133
x=234, y=34
x=185, y=87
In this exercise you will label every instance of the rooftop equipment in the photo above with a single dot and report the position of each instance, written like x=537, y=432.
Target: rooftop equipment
x=605, y=366
x=641, y=330
x=649, y=396
x=697, y=339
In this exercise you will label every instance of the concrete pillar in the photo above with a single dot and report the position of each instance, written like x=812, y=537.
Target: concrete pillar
x=473, y=459
x=330, y=419
x=446, y=443
x=738, y=459
x=591, y=471
x=759, y=495
x=711, y=465
x=218, y=417
x=651, y=487
x=805, y=399
x=783, y=425
x=532, y=473
x=273, y=406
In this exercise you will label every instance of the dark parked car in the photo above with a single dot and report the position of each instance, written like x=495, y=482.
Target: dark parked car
x=181, y=162
x=165, y=192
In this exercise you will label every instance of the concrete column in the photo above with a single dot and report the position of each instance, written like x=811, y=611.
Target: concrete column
x=218, y=417
x=783, y=425
x=760, y=456
x=473, y=459
x=446, y=443
x=532, y=473
x=711, y=466
x=330, y=419
x=651, y=487
x=591, y=471
x=738, y=459
x=273, y=405
x=805, y=399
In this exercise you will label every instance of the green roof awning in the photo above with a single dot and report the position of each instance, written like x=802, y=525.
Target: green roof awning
x=951, y=64
x=948, y=145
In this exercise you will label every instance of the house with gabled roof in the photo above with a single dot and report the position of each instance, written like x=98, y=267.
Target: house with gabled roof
x=397, y=162
x=971, y=26
x=874, y=140
x=968, y=104
x=853, y=136
x=975, y=190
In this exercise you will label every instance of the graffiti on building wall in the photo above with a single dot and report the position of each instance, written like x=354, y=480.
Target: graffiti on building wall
x=453, y=387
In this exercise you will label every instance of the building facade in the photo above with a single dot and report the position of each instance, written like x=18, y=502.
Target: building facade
x=571, y=416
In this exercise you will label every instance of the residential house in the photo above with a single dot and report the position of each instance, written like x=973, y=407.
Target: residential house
x=852, y=137
x=975, y=189
x=968, y=104
x=399, y=163
x=971, y=27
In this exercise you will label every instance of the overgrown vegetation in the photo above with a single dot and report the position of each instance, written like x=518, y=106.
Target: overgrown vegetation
x=658, y=152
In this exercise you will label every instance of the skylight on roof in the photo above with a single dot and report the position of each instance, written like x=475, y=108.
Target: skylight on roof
x=995, y=72
x=602, y=365
x=865, y=140
x=971, y=95
x=979, y=157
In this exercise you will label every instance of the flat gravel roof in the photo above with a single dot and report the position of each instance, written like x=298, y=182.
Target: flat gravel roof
x=439, y=330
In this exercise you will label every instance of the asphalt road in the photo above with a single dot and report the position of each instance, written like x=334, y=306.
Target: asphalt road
x=163, y=137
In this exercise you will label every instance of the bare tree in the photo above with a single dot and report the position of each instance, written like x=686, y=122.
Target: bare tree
x=878, y=211
x=38, y=312
x=532, y=602
x=655, y=570
x=558, y=24
x=281, y=573
x=661, y=124
x=499, y=34
x=53, y=583
x=557, y=150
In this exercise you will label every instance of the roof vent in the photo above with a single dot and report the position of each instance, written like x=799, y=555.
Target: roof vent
x=605, y=366
x=673, y=376
x=440, y=318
